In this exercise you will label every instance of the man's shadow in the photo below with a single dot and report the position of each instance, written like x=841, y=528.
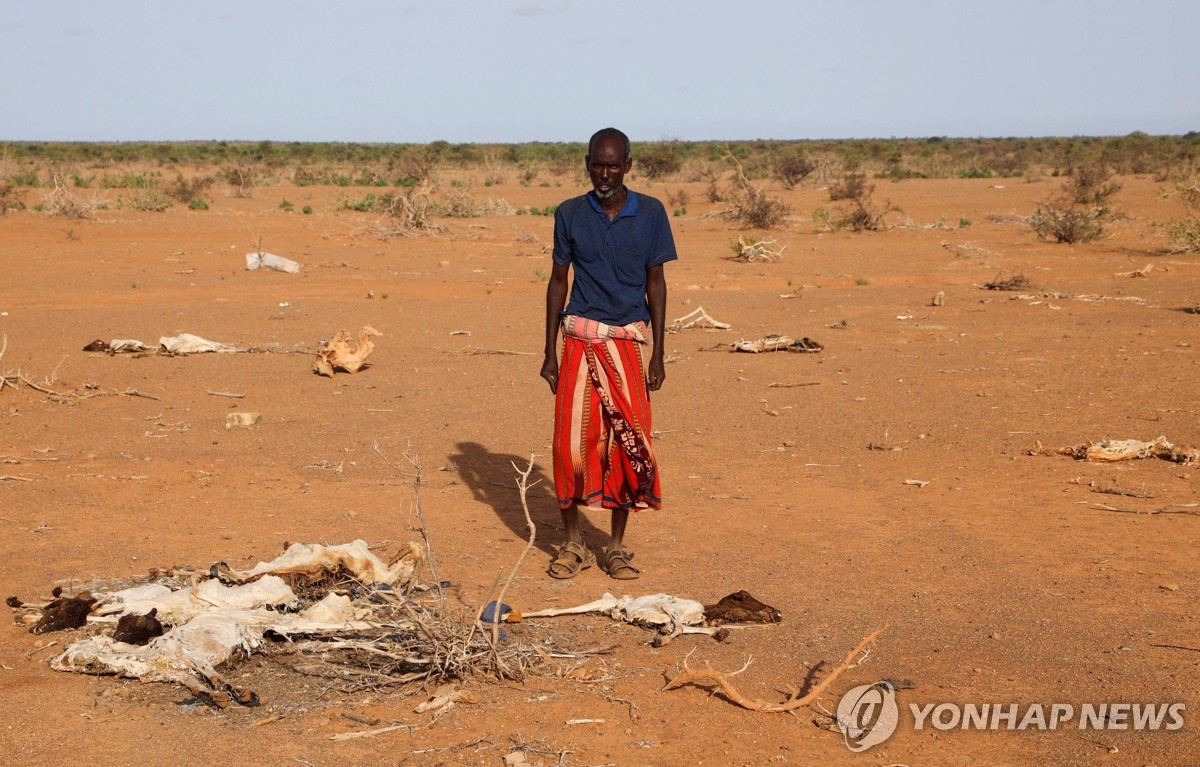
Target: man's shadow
x=493, y=480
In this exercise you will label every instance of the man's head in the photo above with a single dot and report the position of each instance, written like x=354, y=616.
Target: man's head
x=608, y=161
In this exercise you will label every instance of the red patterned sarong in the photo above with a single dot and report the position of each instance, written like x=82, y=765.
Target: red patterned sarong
x=602, y=454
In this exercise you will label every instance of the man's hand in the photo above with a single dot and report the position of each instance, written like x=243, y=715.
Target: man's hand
x=550, y=372
x=656, y=373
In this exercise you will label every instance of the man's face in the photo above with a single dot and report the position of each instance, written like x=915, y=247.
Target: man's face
x=607, y=166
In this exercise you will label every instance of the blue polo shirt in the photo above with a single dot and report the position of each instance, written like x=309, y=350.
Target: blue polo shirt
x=610, y=258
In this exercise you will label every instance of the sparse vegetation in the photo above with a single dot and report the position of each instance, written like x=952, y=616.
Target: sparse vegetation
x=658, y=161
x=791, y=168
x=406, y=213
x=1081, y=212
x=242, y=177
x=750, y=205
x=10, y=198
x=1091, y=184
x=187, y=190
x=862, y=213
x=61, y=201
x=1184, y=232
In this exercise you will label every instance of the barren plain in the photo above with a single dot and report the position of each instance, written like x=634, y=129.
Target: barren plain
x=998, y=573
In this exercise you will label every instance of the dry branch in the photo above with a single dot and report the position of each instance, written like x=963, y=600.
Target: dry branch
x=523, y=487
x=1170, y=508
x=710, y=677
x=475, y=351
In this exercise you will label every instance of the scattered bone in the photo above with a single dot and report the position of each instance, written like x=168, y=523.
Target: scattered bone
x=1124, y=450
x=670, y=615
x=444, y=698
x=775, y=342
x=917, y=482
x=242, y=419
x=753, y=251
x=337, y=354
x=271, y=261
x=697, y=319
x=1143, y=272
x=966, y=250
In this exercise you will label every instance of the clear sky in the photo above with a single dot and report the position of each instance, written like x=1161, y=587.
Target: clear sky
x=555, y=70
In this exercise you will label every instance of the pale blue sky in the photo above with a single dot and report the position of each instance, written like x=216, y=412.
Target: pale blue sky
x=555, y=70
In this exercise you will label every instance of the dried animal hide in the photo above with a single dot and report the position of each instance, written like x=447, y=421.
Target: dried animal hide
x=776, y=343
x=186, y=343
x=355, y=557
x=337, y=354
x=740, y=607
x=671, y=615
x=188, y=654
x=1125, y=450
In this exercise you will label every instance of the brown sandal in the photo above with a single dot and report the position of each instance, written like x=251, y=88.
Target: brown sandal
x=572, y=559
x=618, y=566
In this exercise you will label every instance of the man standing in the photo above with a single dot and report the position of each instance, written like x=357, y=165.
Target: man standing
x=617, y=242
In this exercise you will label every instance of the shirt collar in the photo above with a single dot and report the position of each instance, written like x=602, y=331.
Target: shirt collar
x=628, y=209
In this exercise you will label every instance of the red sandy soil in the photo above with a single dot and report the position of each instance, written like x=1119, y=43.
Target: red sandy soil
x=1001, y=580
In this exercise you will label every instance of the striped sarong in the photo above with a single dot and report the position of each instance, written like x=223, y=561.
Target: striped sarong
x=602, y=454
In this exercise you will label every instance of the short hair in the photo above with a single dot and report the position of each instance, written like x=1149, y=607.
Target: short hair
x=607, y=133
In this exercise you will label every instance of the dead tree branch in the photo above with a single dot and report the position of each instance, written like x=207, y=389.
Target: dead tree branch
x=710, y=677
x=523, y=486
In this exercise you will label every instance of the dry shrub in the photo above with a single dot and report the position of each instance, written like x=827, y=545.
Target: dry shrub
x=152, y=200
x=185, y=190
x=242, y=177
x=679, y=198
x=406, y=213
x=1016, y=282
x=792, y=168
x=10, y=198
x=755, y=209
x=459, y=203
x=828, y=167
x=713, y=192
x=1184, y=232
x=750, y=205
x=658, y=161
x=862, y=214
x=493, y=169
x=1064, y=220
x=415, y=163
x=1091, y=184
x=61, y=201
x=849, y=188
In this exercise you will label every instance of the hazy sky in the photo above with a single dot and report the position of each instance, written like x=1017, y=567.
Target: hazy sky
x=555, y=70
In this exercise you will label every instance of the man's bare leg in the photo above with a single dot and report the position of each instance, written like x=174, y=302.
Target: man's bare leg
x=620, y=517
x=570, y=517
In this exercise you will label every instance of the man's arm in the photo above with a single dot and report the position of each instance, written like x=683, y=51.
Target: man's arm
x=656, y=298
x=556, y=299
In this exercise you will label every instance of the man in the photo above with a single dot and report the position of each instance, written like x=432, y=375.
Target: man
x=616, y=241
